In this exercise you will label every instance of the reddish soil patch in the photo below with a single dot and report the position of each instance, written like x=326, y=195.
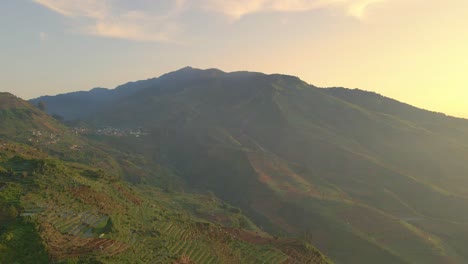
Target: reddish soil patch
x=64, y=246
x=276, y=173
x=103, y=202
x=128, y=195
x=215, y=217
x=9, y=101
x=375, y=224
x=296, y=250
x=51, y=127
x=269, y=207
x=250, y=237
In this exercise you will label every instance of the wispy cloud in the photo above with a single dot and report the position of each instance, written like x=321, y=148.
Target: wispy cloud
x=112, y=18
x=239, y=8
x=135, y=25
x=159, y=21
x=358, y=8
x=82, y=8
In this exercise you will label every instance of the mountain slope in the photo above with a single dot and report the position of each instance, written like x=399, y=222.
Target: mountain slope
x=21, y=122
x=19, y=118
x=365, y=178
x=69, y=210
x=82, y=104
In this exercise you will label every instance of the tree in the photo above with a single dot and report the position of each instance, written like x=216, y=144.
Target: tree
x=11, y=212
x=41, y=105
x=58, y=117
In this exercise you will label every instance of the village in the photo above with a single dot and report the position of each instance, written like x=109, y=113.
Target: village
x=111, y=131
x=47, y=138
x=38, y=136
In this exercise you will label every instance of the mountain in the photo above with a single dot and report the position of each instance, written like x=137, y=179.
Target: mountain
x=82, y=104
x=365, y=178
x=63, y=200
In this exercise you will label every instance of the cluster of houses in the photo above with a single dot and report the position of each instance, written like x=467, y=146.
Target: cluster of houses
x=3, y=145
x=111, y=131
x=38, y=136
x=80, y=130
x=76, y=147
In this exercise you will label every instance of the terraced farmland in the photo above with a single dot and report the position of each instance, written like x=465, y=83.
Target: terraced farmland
x=196, y=243
x=261, y=254
x=81, y=217
x=189, y=242
x=66, y=246
x=81, y=224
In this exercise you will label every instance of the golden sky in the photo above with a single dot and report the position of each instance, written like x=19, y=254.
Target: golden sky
x=412, y=50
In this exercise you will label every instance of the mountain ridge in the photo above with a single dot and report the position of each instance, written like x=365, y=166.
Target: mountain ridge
x=193, y=71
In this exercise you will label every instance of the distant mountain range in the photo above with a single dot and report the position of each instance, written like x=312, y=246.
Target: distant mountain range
x=365, y=178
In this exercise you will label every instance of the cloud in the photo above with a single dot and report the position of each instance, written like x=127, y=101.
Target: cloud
x=81, y=8
x=136, y=26
x=358, y=8
x=112, y=18
x=159, y=21
x=239, y=8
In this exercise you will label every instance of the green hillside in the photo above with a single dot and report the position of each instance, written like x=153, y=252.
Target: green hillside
x=364, y=178
x=58, y=206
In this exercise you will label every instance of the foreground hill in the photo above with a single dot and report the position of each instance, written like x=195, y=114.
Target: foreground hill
x=78, y=210
x=365, y=178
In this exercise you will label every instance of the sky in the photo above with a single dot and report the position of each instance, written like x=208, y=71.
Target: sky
x=415, y=51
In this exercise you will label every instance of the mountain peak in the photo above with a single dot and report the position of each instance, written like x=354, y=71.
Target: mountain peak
x=99, y=89
x=190, y=73
x=187, y=68
x=8, y=100
x=190, y=68
x=6, y=94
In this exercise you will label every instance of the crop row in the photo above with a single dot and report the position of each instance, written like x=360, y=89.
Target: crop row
x=76, y=224
x=183, y=243
x=254, y=254
x=193, y=250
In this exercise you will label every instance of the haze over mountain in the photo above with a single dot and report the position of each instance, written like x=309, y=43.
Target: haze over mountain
x=365, y=178
x=63, y=200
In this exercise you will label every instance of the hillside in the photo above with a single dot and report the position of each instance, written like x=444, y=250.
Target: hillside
x=363, y=177
x=61, y=207
x=22, y=122
x=20, y=118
